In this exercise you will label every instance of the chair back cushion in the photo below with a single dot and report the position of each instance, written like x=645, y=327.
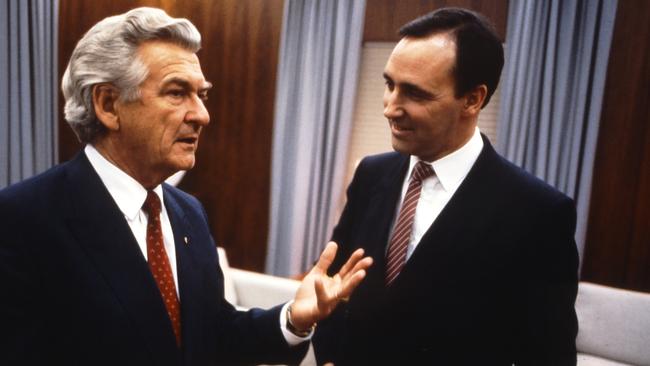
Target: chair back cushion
x=613, y=323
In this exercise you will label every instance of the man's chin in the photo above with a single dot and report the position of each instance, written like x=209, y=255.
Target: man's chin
x=184, y=163
x=401, y=147
x=186, y=166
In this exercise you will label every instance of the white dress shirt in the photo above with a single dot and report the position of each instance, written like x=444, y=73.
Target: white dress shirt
x=437, y=190
x=129, y=195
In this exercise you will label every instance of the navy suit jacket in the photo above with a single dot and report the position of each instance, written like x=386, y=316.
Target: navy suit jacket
x=76, y=289
x=492, y=282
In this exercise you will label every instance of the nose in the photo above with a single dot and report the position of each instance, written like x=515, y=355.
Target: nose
x=392, y=104
x=197, y=113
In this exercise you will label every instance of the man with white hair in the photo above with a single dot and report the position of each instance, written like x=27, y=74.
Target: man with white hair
x=101, y=263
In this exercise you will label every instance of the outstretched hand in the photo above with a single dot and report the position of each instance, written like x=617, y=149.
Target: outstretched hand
x=319, y=294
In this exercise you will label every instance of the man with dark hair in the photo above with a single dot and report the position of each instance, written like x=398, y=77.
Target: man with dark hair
x=101, y=262
x=475, y=259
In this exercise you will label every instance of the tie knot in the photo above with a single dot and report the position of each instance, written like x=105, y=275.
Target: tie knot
x=421, y=171
x=151, y=204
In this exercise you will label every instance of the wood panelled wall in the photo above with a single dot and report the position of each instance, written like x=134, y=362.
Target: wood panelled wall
x=239, y=56
x=385, y=17
x=617, y=251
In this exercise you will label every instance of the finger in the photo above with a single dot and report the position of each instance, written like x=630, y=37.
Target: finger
x=322, y=299
x=352, y=261
x=363, y=263
x=351, y=284
x=326, y=257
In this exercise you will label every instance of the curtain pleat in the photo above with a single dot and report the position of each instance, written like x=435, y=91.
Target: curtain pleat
x=554, y=78
x=28, y=97
x=319, y=54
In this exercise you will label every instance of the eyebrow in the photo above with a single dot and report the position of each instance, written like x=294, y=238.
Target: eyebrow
x=186, y=84
x=410, y=87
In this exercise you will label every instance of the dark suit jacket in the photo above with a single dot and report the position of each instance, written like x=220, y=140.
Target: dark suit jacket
x=492, y=282
x=76, y=289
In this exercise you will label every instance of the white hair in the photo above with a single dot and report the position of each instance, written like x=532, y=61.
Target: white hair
x=107, y=53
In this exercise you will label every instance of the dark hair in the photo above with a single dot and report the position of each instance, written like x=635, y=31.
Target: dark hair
x=479, y=53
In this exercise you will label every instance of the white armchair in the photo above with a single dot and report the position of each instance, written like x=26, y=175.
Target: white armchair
x=247, y=289
x=614, y=326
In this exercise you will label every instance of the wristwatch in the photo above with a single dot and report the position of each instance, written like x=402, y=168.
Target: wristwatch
x=295, y=331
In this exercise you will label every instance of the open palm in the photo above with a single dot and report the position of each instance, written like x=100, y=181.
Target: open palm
x=319, y=294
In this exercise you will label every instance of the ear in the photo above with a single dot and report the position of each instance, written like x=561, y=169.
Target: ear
x=474, y=100
x=105, y=98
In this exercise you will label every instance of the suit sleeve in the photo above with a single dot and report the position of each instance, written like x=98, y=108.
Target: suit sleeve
x=253, y=337
x=547, y=322
x=249, y=337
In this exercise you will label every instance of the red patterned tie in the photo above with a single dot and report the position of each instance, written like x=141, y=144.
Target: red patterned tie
x=159, y=263
x=402, y=232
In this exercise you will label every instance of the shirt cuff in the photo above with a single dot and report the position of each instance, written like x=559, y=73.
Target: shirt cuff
x=291, y=338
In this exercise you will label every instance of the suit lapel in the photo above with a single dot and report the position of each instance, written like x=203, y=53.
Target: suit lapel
x=103, y=233
x=188, y=275
x=381, y=208
x=452, y=229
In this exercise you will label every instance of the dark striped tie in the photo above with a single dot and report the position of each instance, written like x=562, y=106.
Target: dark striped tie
x=396, y=256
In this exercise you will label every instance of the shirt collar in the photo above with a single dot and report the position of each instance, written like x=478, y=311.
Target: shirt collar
x=128, y=194
x=451, y=169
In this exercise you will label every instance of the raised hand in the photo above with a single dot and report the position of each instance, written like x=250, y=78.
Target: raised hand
x=319, y=294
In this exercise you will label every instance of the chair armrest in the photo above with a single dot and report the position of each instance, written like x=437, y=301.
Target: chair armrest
x=261, y=290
